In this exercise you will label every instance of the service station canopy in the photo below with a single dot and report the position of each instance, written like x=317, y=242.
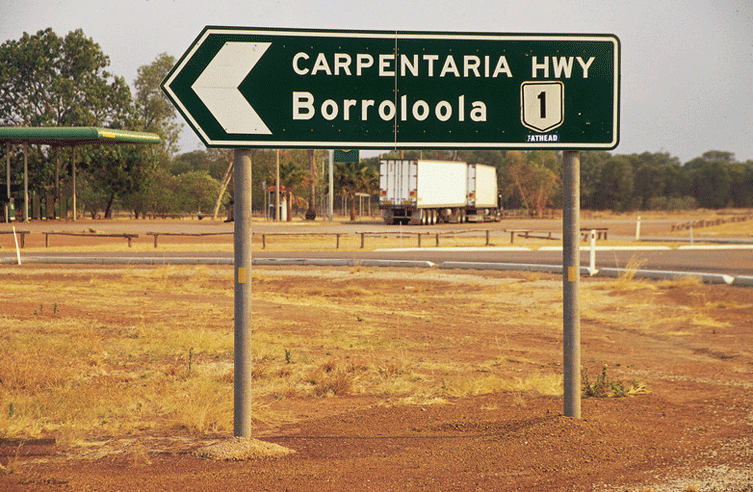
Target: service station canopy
x=73, y=136
x=257, y=87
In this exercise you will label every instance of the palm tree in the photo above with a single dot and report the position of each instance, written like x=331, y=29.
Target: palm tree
x=291, y=177
x=355, y=177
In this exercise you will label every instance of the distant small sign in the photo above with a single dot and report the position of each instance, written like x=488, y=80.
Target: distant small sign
x=347, y=155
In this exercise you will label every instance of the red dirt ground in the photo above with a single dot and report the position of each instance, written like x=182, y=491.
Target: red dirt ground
x=693, y=430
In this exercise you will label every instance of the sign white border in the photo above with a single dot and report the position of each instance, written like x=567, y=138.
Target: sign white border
x=397, y=36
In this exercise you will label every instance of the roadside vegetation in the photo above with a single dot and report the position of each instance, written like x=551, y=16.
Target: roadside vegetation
x=92, y=352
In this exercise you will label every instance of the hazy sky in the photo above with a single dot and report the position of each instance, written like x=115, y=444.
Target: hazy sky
x=687, y=66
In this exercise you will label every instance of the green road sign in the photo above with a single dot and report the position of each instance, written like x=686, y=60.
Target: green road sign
x=254, y=87
x=347, y=155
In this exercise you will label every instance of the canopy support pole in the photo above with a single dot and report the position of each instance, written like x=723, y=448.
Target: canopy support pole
x=26, y=184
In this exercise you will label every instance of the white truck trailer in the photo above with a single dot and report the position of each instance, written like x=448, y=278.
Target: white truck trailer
x=483, y=202
x=426, y=192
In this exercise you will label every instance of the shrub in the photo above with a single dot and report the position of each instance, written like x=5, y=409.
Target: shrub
x=606, y=387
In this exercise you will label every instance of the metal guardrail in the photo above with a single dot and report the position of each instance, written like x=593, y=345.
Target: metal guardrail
x=197, y=234
x=419, y=234
x=265, y=234
x=129, y=237
x=22, y=234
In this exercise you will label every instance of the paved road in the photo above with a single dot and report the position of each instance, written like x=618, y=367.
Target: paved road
x=720, y=260
x=725, y=261
x=734, y=262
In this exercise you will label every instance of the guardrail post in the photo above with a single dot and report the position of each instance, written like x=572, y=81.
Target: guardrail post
x=18, y=251
x=592, y=257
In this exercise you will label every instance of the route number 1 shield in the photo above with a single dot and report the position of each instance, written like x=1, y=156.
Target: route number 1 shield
x=542, y=105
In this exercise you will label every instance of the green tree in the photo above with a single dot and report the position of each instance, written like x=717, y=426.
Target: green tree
x=118, y=171
x=536, y=176
x=591, y=163
x=263, y=162
x=292, y=176
x=615, y=190
x=355, y=177
x=741, y=175
x=710, y=182
x=46, y=80
x=196, y=160
x=91, y=198
x=718, y=156
x=197, y=191
x=657, y=176
x=157, y=196
x=154, y=113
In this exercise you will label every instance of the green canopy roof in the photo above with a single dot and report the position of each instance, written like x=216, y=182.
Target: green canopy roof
x=61, y=135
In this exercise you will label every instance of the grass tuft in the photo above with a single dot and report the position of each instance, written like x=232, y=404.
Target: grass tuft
x=632, y=267
x=604, y=386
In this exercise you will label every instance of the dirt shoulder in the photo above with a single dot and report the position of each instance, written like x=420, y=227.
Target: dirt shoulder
x=483, y=443
x=450, y=382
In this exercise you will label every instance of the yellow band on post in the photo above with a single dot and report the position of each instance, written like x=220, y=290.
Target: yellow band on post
x=571, y=274
x=241, y=275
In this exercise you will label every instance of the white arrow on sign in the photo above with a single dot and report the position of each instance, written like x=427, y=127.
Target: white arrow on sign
x=217, y=87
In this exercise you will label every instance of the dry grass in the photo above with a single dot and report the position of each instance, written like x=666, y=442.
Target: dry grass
x=96, y=354
x=88, y=352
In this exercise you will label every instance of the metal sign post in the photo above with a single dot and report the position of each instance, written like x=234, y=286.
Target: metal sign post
x=571, y=281
x=242, y=351
x=26, y=183
x=7, y=169
x=331, y=189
